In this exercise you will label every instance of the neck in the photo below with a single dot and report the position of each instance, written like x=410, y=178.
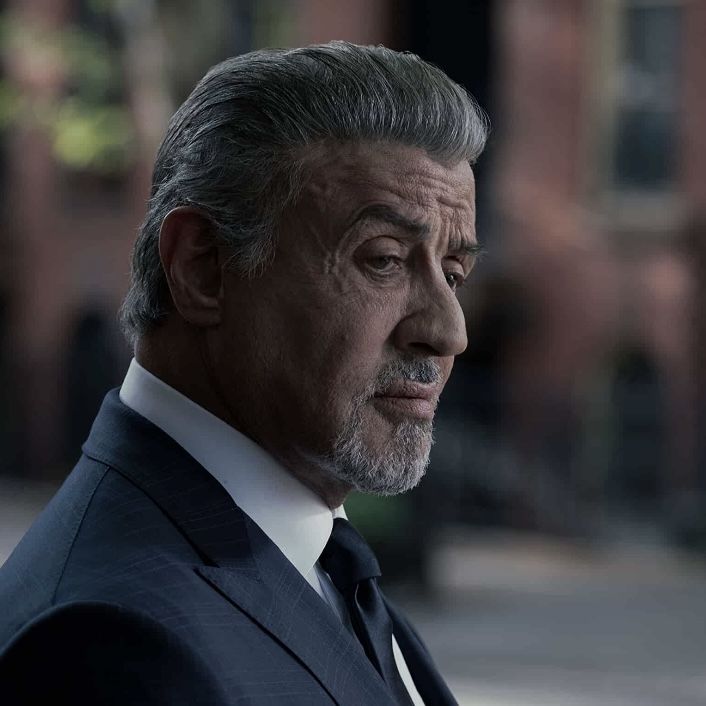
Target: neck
x=188, y=370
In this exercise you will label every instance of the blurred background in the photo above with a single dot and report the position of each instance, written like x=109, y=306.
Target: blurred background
x=555, y=554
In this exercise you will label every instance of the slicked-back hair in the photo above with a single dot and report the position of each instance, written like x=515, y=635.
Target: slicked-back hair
x=235, y=147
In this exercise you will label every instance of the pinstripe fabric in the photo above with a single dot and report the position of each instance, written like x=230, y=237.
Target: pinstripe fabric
x=142, y=582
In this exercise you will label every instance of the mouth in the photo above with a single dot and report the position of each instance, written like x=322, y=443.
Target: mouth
x=408, y=399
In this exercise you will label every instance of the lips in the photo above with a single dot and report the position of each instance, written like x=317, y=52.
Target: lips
x=409, y=399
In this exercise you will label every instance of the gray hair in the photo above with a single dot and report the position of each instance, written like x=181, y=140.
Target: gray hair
x=235, y=147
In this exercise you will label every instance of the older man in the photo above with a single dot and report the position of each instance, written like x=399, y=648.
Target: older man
x=294, y=317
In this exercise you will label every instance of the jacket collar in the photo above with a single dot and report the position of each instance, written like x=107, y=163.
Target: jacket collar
x=239, y=560
x=295, y=518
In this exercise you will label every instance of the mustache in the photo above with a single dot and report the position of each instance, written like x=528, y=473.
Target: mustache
x=422, y=370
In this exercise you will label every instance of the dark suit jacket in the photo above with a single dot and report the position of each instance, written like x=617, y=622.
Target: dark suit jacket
x=143, y=583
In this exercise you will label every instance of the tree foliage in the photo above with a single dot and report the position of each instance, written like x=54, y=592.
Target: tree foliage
x=80, y=105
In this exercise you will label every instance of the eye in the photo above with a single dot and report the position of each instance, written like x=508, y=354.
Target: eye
x=384, y=263
x=455, y=280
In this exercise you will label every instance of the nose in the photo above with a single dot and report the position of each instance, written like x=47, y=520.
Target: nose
x=434, y=324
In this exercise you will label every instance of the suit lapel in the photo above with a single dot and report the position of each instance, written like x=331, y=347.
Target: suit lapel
x=284, y=604
x=240, y=561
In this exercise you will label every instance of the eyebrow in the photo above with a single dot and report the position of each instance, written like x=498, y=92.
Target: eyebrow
x=465, y=247
x=382, y=213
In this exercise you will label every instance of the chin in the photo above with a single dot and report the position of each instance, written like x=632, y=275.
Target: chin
x=390, y=465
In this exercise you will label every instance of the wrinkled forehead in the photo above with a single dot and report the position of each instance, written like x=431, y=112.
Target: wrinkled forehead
x=352, y=175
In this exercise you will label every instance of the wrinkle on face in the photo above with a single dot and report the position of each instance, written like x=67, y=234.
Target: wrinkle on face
x=321, y=233
x=429, y=192
x=323, y=322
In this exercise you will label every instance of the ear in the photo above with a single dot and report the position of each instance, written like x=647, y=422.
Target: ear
x=190, y=257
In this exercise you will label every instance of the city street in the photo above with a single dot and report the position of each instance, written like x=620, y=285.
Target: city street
x=528, y=622
x=535, y=623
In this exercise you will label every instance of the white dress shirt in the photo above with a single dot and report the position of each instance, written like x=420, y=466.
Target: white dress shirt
x=294, y=517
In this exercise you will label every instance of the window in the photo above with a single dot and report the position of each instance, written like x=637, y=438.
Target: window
x=646, y=97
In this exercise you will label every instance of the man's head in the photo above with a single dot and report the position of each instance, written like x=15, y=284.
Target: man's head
x=310, y=218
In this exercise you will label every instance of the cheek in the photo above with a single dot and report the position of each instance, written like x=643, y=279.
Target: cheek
x=338, y=337
x=344, y=361
x=365, y=325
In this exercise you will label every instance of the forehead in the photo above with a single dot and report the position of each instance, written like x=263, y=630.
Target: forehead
x=347, y=177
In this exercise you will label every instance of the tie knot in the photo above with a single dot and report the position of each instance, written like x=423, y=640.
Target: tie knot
x=347, y=558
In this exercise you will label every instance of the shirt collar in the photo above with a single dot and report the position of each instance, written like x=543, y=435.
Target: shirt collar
x=292, y=516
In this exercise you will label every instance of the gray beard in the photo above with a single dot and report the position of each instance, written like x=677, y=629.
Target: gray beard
x=400, y=466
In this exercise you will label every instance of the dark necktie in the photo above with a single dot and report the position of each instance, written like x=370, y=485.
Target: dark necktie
x=354, y=570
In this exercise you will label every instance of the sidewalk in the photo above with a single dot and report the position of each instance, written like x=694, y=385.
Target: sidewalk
x=524, y=622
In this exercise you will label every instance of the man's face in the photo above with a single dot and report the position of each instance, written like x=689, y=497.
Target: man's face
x=334, y=359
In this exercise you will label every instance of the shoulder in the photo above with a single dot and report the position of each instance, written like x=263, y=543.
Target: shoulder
x=99, y=652
x=97, y=539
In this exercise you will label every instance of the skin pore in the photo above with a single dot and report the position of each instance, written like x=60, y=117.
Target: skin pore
x=334, y=358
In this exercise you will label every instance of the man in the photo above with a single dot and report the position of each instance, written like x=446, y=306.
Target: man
x=294, y=318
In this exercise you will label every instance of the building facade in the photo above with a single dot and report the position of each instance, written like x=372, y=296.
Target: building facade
x=586, y=324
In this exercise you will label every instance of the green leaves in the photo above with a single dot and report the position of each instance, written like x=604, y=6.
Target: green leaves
x=93, y=137
x=68, y=83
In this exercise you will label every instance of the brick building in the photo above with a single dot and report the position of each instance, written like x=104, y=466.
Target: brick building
x=592, y=203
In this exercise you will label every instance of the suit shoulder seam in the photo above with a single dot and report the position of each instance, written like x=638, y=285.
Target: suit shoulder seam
x=77, y=529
